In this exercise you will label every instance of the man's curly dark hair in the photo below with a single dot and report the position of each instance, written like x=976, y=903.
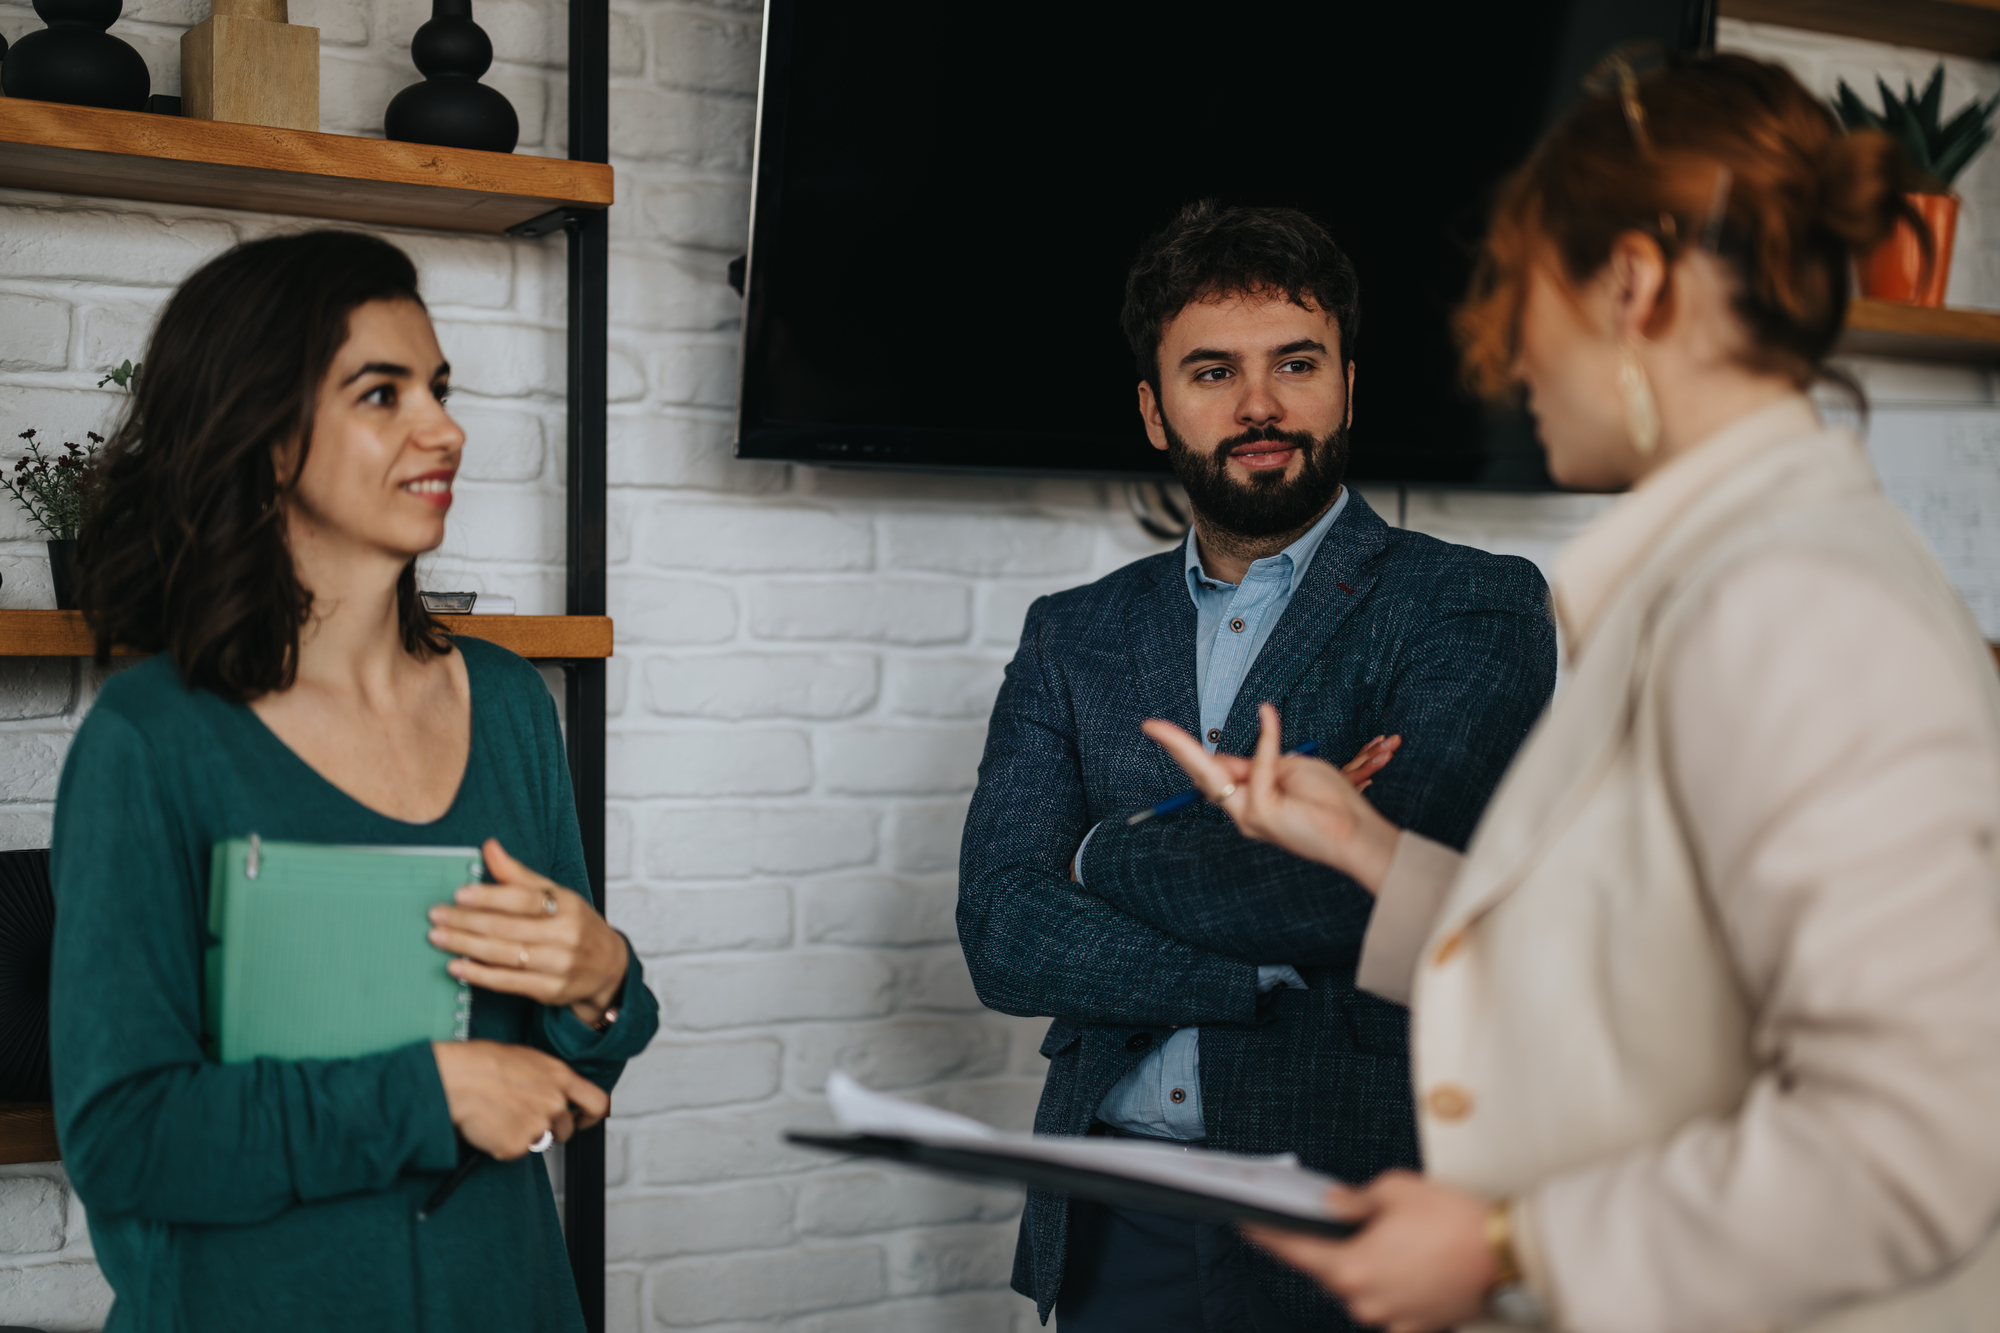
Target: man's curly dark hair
x=1209, y=250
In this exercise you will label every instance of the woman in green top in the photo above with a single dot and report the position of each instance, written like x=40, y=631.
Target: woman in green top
x=287, y=459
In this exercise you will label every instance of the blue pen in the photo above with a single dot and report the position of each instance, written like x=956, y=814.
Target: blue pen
x=1188, y=798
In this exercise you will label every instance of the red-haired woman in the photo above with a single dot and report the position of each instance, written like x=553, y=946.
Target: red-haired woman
x=1707, y=1019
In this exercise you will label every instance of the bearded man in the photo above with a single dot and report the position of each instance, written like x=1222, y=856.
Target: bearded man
x=1202, y=985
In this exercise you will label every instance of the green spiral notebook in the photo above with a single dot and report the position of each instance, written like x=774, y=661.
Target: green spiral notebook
x=320, y=953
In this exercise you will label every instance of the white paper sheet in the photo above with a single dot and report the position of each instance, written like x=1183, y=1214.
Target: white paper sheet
x=1278, y=1183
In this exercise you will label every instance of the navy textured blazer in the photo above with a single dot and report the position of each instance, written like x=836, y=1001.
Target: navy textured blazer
x=1391, y=631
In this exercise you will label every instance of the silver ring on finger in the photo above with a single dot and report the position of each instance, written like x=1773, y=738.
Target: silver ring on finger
x=542, y=1144
x=524, y=959
x=548, y=903
x=1228, y=790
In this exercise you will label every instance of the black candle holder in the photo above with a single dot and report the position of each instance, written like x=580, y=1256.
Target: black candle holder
x=75, y=60
x=451, y=107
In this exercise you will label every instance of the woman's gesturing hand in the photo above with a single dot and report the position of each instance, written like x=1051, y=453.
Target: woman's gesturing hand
x=1302, y=804
x=1421, y=1263
x=504, y=1098
x=527, y=935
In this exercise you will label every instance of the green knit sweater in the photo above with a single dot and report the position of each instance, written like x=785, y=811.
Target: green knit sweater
x=283, y=1195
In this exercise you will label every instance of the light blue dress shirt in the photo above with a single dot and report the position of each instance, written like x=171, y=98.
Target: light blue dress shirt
x=1161, y=1096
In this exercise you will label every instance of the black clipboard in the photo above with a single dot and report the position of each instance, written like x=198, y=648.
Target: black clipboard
x=1079, y=1182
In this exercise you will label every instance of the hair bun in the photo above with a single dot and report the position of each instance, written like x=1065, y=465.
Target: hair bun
x=1804, y=198
x=1863, y=176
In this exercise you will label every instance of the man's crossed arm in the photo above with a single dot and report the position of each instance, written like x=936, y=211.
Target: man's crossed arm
x=1463, y=697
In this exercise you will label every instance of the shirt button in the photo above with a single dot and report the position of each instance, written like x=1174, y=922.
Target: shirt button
x=1179, y=1095
x=1138, y=1041
x=1448, y=1101
x=1237, y=624
x=1214, y=735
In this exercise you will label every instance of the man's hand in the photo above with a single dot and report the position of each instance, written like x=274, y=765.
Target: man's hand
x=1421, y=1262
x=1299, y=803
x=1369, y=760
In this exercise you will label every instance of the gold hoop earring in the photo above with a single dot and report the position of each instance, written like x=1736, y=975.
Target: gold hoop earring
x=1642, y=412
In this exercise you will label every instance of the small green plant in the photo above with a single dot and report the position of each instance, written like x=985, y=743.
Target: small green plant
x=54, y=489
x=125, y=377
x=1937, y=149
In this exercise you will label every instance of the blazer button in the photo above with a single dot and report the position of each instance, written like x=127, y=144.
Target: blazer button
x=1448, y=1101
x=1139, y=1041
x=1179, y=1095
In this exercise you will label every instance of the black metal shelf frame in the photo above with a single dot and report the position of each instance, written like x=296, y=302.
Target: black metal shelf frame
x=589, y=279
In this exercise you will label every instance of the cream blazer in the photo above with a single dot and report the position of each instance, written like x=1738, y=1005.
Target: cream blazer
x=1714, y=995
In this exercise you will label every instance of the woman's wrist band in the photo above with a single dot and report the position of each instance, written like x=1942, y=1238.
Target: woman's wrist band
x=1500, y=1242
x=1509, y=1299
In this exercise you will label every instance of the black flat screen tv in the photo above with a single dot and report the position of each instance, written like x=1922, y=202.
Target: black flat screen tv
x=947, y=197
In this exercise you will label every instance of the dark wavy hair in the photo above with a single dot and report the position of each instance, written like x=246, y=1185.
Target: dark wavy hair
x=1209, y=250
x=184, y=550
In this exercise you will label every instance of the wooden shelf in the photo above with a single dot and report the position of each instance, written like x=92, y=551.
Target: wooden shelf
x=1884, y=328
x=28, y=1133
x=168, y=159
x=1956, y=27
x=63, y=634
x=539, y=636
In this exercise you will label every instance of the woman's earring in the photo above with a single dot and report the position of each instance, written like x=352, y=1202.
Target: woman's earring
x=1642, y=413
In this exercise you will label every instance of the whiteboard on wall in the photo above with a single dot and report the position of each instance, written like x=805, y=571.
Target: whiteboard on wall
x=1942, y=466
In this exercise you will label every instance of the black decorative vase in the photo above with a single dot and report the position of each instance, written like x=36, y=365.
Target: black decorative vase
x=75, y=60
x=62, y=572
x=451, y=107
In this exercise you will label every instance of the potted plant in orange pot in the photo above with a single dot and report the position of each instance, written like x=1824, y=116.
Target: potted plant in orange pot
x=1938, y=150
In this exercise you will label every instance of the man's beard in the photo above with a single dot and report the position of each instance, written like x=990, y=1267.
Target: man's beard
x=1270, y=503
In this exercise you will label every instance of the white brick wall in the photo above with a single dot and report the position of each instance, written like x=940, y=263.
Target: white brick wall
x=806, y=660
x=47, y=1277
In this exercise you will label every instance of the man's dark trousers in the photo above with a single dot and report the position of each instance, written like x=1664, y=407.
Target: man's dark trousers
x=1389, y=632
x=1131, y=1270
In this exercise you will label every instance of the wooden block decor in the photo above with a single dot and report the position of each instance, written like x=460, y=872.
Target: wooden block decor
x=246, y=64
